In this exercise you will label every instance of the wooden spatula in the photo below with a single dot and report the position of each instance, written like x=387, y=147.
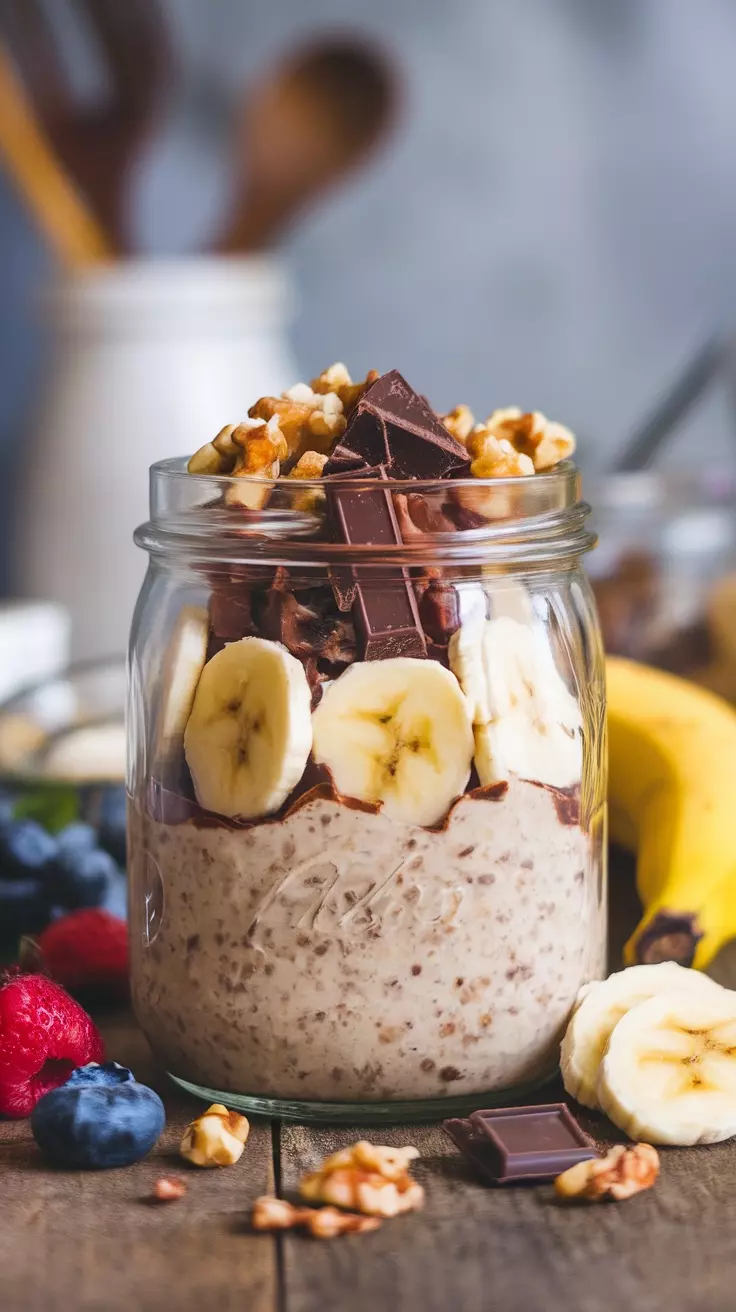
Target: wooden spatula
x=301, y=130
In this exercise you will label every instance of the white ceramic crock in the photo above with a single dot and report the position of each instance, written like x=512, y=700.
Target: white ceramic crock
x=149, y=359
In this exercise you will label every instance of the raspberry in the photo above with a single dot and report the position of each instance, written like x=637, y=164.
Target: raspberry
x=44, y=1035
x=87, y=952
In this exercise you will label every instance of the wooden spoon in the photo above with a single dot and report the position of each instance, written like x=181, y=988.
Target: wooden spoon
x=59, y=210
x=301, y=130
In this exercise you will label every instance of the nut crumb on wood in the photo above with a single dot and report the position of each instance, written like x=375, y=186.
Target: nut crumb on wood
x=168, y=1188
x=368, y=1178
x=216, y=1138
x=622, y=1173
x=323, y=1223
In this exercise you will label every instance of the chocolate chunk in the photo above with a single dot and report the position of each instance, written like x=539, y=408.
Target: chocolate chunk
x=393, y=426
x=342, y=461
x=510, y=1144
x=384, y=613
x=307, y=624
x=231, y=613
x=364, y=441
x=419, y=514
x=463, y=517
x=439, y=612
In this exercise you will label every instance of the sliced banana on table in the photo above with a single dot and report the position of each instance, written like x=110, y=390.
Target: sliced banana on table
x=526, y=721
x=183, y=661
x=250, y=730
x=396, y=732
x=601, y=1007
x=669, y=1074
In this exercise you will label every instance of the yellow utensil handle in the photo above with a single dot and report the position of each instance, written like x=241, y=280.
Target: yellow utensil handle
x=50, y=194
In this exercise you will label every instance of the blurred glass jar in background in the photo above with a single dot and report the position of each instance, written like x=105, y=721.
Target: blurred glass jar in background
x=664, y=573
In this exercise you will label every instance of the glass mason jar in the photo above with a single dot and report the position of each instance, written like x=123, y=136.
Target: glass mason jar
x=398, y=926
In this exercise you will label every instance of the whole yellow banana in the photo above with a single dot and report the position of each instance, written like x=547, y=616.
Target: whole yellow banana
x=672, y=766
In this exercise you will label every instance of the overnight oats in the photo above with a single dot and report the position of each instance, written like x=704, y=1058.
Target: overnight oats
x=367, y=755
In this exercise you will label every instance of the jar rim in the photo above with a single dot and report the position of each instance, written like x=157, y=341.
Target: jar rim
x=546, y=526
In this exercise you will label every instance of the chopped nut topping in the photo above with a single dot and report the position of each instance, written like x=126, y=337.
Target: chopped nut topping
x=337, y=379
x=168, y=1188
x=226, y=445
x=206, y=461
x=459, y=422
x=261, y=448
x=532, y=435
x=304, y=416
x=309, y=465
x=370, y=1179
x=620, y=1174
x=495, y=457
x=220, y=455
x=216, y=1138
x=323, y=1223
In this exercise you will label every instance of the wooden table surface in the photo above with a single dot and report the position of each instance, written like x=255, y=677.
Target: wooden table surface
x=93, y=1242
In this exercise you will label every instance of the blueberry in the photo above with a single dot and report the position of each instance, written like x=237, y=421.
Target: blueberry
x=82, y=878
x=95, y=1126
x=110, y=1073
x=112, y=823
x=76, y=839
x=23, y=908
x=116, y=898
x=25, y=849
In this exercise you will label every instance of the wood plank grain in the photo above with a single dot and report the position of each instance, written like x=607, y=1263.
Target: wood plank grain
x=91, y=1241
x=474, y=1249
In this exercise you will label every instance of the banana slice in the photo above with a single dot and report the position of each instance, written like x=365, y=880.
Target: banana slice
x=250, y=732
x=183, y=662
x=669, y=1075
x=396, y=732
x=526, y=722
x=600, y=1009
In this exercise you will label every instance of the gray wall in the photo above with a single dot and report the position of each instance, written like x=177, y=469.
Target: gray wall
x=553, y=224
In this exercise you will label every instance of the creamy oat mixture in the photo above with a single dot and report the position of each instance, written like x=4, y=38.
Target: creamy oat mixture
x=337, y=954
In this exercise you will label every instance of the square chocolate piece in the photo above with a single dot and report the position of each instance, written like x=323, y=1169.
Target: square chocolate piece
x=474, y=1148
x=507, y=1144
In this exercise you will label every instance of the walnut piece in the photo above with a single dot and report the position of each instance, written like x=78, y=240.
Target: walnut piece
x=495, y=457
x=544, y=442
x=459, y=422
x=216, y=1138
x=337, y=379
x=220, y=455
x=324, y=1223
x=307, y=419
x=622, y=1173
x=168, y=1188
x=367, y=1178
x=309, y=465
x=261, y=448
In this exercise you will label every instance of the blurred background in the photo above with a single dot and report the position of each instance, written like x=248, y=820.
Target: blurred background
x=202, y=201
